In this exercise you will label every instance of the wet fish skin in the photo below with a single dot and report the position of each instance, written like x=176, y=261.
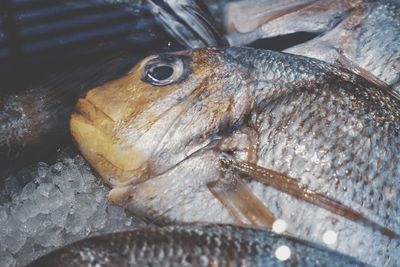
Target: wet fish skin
x=369, y=37
x=194, y=245
x=331, y=130
x=367, y=33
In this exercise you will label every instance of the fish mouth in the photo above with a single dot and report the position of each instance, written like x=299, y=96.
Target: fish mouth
x=118, y=162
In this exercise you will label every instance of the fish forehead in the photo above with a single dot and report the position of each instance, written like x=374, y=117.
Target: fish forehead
x=127, y=96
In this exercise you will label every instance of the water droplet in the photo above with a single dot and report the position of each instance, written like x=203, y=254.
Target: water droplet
x=330, y=237
x=283, y=253
x=279, y=226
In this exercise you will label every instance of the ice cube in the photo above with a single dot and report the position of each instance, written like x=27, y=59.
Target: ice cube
x=59, y=216
x=98, y=219
x=11, y=189
x=57, y=168
x=51, y=237
x=42, y=169
x=15, y=240
x=55, y=199
x=7, y=259
x=3, y=214
x=75, y=224
x=58, y=205
x=44, y=189
x=27, y=191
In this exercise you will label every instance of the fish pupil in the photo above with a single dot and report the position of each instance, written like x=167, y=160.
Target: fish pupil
x=160, y=73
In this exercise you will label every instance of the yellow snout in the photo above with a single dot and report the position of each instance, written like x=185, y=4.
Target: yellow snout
x=118, y=162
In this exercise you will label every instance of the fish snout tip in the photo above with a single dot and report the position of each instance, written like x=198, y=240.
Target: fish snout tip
x=117, y=162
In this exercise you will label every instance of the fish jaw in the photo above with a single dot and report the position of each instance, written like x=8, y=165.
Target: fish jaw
x=180, y=194
x=118, y=163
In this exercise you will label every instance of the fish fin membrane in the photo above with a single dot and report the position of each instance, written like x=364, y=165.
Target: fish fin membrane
x=366, y=74
x=249, y=17
x=241, y=203
x=291, y=186
x=187, y=23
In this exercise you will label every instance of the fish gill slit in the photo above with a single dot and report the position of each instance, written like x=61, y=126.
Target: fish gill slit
x=211, y=144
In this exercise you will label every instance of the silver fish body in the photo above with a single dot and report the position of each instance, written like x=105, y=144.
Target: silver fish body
x=332, y=134
x=369, y=37
x=366, y=33
x=196, y=245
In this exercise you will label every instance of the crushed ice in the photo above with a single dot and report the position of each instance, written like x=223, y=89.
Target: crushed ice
x=56, y=205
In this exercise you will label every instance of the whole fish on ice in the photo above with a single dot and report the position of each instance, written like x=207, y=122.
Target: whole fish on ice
x=246, y=136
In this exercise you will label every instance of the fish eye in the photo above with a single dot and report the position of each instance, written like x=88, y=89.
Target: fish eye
x=163, y=71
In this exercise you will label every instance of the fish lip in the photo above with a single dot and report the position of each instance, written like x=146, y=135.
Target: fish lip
x=135, y=180
x=85, y=107
x=137, y=175
x=78, y=114
x=86, y=112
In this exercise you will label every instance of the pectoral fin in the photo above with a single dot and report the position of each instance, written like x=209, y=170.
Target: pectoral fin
x=241, y=202
x=292, y=187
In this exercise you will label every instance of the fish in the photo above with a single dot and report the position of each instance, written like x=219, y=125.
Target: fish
x=248, y=136
x=194, y=245
x=364, y=36
x=59, y=59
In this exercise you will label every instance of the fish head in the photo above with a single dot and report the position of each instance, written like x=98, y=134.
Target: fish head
x=166, y=108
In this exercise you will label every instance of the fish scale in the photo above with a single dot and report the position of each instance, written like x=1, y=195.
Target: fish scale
x=324, y=145
x=196, y=245
x=346, y=128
